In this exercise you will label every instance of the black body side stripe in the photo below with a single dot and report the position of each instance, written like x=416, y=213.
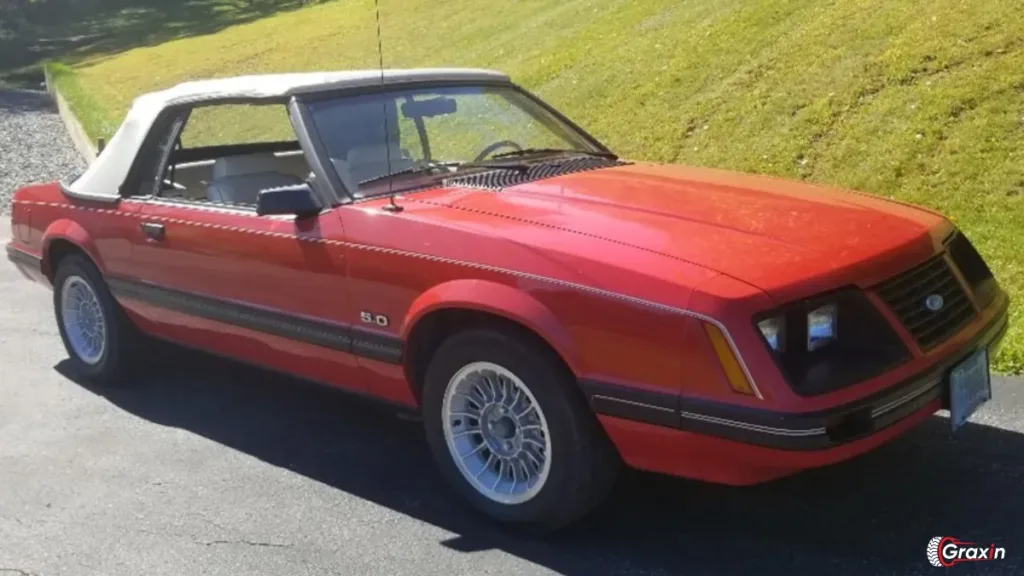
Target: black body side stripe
x=783, y=430
x=632, y=403
x=342, y=337
x=376, y=345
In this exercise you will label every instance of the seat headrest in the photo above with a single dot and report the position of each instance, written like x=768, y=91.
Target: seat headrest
x=245, y=188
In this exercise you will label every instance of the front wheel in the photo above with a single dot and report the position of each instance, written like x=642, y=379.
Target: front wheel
x=511, y=434
x=496, y=426
x=100, y=340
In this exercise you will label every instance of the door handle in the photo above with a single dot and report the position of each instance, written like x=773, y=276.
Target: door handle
x=153, y=231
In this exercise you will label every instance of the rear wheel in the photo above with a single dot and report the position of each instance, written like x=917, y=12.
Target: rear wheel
x=511, y=433
x=101, y=342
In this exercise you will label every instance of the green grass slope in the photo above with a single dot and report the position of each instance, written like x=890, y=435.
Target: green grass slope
x=913, y=99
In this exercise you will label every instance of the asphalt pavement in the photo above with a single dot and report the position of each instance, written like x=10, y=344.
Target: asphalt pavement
x=210, y=467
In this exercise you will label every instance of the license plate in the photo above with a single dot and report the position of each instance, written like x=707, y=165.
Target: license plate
x=969, y=387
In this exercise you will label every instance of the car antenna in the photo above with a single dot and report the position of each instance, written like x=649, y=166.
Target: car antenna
x=391, y=206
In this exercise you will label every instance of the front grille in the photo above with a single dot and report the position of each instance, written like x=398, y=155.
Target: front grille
x=906, y=295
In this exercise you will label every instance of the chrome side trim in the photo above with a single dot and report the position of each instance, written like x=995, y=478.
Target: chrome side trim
x=632, y=403
x=788, y=432
x=909, y=397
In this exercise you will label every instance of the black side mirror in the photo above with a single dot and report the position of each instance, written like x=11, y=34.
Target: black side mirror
x=298, y=200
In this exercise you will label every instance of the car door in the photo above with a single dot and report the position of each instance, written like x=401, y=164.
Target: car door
x=269, y=290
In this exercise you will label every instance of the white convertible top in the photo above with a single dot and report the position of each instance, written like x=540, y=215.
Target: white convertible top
x=111, y=167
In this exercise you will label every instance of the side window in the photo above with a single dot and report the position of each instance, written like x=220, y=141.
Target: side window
x=226, y=154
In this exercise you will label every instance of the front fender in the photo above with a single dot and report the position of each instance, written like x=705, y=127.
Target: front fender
x=69, y=231
x=500, y=300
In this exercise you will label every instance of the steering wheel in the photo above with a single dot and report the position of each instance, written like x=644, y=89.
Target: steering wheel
x=491, y=149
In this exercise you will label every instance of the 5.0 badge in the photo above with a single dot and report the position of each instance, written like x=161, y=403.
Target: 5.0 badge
x=371, y=318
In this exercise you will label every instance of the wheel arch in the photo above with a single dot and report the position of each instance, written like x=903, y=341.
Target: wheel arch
x=64, y=237
x=465, y=304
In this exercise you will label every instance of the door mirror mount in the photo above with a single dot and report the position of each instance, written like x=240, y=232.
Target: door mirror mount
x=298, y=200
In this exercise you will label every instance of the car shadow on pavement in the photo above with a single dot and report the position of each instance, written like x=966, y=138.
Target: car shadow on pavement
x=872, y=515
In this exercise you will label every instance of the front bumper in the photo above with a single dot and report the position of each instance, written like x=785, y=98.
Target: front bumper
x=798, y=431
x=846, y=423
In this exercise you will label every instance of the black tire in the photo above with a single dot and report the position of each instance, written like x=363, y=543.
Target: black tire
x=584, y=464
x=123, y=343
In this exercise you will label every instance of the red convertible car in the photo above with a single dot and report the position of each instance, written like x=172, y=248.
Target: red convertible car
x=444, y=240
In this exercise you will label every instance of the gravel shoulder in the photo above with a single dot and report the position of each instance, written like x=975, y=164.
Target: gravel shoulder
x=34, y=146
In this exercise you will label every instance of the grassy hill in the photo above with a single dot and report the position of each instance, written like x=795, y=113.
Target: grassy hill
x=915, y=99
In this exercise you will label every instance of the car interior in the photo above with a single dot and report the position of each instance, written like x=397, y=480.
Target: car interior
x=238, y=179
x=235, y=179
x=234, y=174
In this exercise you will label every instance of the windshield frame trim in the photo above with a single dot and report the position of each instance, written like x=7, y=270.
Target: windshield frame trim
x=593, y=141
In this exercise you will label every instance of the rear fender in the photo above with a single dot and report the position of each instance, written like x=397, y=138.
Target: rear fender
x=69, y=231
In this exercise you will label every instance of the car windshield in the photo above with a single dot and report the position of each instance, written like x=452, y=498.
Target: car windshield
x=393, y=140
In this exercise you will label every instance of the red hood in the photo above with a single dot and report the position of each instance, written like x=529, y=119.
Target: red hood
x=787, y=238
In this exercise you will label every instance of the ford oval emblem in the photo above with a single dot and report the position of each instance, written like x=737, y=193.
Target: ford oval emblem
x=934, y=302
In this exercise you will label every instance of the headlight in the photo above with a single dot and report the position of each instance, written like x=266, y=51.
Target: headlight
x=821, y=326
x=814, y=357
x=774, y=332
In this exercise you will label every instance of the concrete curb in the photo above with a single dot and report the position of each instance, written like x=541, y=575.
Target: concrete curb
x=79, y=138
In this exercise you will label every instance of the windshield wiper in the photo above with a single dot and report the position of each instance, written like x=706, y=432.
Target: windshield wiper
x=421, y=169
x=432, y=166
x=532, y=151
x=518, y=166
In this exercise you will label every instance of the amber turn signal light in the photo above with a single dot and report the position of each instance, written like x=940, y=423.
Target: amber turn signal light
x=730, y=364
